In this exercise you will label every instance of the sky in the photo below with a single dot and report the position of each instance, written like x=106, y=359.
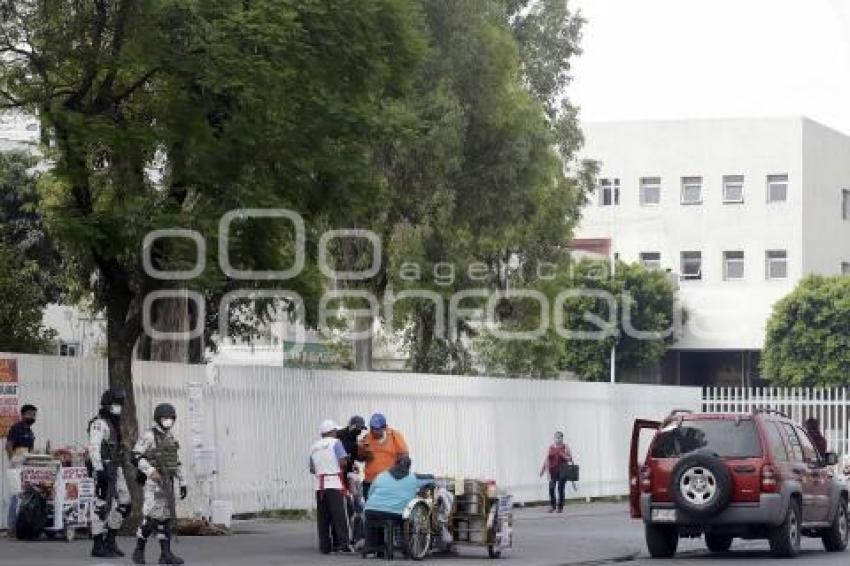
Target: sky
x=668, y=59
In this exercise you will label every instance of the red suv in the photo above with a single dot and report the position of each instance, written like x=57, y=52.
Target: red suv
x=727, y=476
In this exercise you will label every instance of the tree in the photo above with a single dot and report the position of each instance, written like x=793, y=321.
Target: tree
x=21, y=309
x=641, y=324
x=29, y=264
x=479, y=176
x=22, y=228
x=166, y=114
x=807, y=343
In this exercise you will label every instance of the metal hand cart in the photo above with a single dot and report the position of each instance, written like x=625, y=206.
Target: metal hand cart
x=478, y=517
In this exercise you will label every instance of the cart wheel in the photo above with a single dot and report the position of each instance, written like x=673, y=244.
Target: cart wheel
x=70, y=535
x=417, y=532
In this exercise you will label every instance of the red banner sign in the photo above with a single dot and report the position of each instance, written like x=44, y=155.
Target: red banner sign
x=8, y=395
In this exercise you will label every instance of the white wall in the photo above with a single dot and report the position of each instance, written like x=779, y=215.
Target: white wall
x=267, y=418
x=262, y=421
x=67, y=393
x=728, y=314
x=826, y=170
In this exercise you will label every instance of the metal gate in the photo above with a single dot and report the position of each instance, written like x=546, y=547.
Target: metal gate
x=829, y=406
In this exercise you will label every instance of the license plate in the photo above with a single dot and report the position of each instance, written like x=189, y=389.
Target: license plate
x=664, y=515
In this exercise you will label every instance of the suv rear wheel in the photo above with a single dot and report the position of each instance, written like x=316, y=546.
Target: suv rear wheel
x=835, y=537
x=662, y=540
x=718, y=543
x=701, y=485
x=785, y=539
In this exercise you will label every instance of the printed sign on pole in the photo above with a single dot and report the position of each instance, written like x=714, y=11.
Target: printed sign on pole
x=8, y=394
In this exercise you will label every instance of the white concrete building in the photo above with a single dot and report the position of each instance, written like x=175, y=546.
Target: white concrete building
x=78, y=332
x=18, y=131
x=740, y=209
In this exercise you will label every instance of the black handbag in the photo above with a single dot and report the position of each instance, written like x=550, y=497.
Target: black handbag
x=569, y=472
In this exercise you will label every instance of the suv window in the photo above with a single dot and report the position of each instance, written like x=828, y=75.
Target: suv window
x=794, y=442
x=810, y=453
x=728, y=438
x=774, y=440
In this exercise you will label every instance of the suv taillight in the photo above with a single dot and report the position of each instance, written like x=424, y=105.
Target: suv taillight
x=645, y=479
x=768, y=479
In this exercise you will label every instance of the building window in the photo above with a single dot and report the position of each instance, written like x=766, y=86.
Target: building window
x=650, y=260
x=68, y=349
x=691, y=190
x=777, y=188
x=650, y=191
x=733, y=265
x=845, y=268
x=691, y=265
x=845, y=204
x=609, y=192
x=733, y=189
x=777, y=264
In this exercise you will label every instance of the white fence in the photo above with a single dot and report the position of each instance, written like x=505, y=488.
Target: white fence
x=262, y=421
x=829, y=406
x=67, y=393
x=267, y=418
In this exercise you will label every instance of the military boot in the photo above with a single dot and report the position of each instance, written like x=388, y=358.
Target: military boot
x=111, y=544
x=99, y=549
x=139, y=552
x=167, y=557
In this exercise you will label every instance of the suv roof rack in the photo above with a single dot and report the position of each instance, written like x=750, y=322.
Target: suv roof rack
x=768, y=411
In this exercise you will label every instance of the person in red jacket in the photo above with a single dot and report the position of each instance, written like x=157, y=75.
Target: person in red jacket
x=557, y=457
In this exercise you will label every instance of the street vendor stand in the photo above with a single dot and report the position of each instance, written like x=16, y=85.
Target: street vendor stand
x=67, y=489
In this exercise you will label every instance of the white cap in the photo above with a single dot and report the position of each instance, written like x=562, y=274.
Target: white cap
x=327, y=426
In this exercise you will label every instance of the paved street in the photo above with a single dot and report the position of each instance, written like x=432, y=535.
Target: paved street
x=585, y=535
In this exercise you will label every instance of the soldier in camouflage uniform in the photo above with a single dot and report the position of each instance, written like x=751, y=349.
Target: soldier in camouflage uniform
x=105, y=454
x=156, y=457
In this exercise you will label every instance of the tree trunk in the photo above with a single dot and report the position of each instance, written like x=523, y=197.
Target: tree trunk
x=121, y=338
x=172, y=315
x=363, y=323
x=423, y=336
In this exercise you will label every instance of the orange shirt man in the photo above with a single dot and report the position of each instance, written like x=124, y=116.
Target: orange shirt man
x=380, y=449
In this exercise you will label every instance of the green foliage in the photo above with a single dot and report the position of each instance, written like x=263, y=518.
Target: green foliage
x=21, y=226
x=29, y=265
x=808, y=335
x=478, y=176
x=261, y=104
x=652, y=310
x=21, y=329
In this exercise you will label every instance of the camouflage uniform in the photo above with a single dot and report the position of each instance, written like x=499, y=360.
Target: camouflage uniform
x=105, y=457
x=157, y=451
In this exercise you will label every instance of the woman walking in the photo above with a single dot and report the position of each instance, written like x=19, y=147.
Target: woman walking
x=558, y=457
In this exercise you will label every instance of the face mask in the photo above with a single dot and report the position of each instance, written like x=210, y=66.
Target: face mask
x=116, y=410
x=30, y=421
x=167, y=423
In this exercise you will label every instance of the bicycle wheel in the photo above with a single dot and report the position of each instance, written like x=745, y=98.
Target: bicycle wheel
x=417, y=532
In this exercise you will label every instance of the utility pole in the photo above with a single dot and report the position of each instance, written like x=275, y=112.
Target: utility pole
x=615, y=189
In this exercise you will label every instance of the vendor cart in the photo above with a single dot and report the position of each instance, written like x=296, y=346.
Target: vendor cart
x=451, y=513
x=481, y=517
x=67, y=490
